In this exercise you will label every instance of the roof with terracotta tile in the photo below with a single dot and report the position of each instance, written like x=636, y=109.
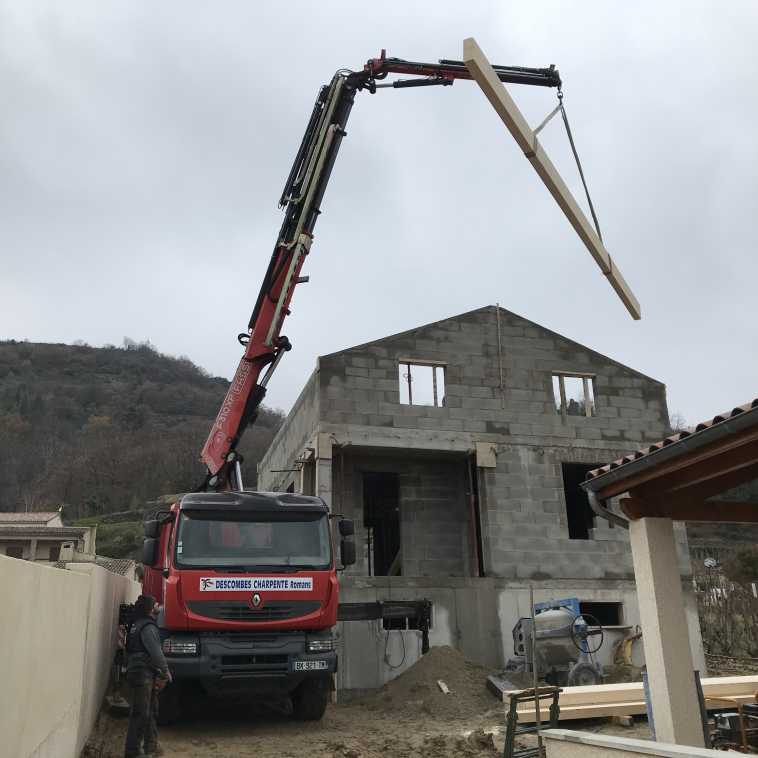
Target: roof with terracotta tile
x=24, y=531
x=673, y=439
x=19, y=517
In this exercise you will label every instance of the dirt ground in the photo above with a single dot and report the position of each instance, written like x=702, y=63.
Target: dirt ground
x=410, y=716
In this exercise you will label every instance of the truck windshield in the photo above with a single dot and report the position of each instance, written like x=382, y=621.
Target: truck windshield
x=239, y=542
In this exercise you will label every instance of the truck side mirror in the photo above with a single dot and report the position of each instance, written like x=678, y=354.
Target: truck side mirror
x=347, y=552
x=149, y=551
x=347, y=527
x=152, y=528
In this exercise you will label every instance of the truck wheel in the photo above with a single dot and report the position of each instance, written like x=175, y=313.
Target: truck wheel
x=310, y=699
x=169, y=708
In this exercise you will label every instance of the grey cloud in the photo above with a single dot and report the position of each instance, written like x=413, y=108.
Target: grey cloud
x=143, y=147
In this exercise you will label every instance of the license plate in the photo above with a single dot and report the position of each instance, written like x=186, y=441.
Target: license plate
x=310, y=665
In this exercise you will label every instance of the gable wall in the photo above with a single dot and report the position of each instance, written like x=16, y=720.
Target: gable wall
x=295, y=433
x=523, y=509
x=360, y=385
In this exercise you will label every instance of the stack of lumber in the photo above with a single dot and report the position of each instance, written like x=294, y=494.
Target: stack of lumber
x=628, y=699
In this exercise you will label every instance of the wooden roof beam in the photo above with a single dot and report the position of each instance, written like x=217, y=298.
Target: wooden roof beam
x=692, y=510
x=481, y=70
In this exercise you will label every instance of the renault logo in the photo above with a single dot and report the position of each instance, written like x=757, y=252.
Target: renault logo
x=256, y=600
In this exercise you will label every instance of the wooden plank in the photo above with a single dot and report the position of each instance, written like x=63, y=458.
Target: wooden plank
x=494, y=90
x=717, y=686
x=629, y=708
x=627, y=699
x=597, y=693
x=571, y=713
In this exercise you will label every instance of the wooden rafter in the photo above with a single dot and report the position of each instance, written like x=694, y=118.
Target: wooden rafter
x=692, y=510
x=481, y=70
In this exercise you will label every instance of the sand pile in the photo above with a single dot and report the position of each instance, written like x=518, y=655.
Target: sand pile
x=416, y=689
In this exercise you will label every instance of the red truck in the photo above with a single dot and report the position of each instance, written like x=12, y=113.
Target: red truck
x=248, y=580
x=249, y=588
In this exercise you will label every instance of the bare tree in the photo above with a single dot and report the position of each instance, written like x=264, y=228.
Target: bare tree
x=677, y=423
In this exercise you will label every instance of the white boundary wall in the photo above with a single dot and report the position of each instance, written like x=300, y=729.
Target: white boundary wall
x=566, y=743
x=57, y=640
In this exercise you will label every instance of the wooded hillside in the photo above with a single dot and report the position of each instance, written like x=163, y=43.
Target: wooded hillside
x=105, y=429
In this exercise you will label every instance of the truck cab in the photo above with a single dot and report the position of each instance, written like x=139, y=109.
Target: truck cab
x=248, y=584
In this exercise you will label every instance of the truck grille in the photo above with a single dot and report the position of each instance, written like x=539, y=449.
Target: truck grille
x=252, y=660
x=252, y=666
x=239, y=610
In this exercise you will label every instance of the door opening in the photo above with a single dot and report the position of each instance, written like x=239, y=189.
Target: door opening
x=381, y=516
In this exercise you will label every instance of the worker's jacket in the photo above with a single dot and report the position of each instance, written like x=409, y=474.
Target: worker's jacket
x=143, y=648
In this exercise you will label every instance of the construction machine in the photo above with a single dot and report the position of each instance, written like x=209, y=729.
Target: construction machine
x=248, y=580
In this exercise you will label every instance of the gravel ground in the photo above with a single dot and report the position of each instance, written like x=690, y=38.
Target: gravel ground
x=408, y=717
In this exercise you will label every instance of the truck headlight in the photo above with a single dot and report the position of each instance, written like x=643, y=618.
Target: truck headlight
x=181, y=646
x=320, y=646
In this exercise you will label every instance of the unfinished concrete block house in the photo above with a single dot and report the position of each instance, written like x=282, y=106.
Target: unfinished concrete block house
x=458, y=448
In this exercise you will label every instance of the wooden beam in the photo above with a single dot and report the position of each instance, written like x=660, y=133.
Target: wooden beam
x=699, y=489
x=628, y=698
x=495, y=91
x=694, y=510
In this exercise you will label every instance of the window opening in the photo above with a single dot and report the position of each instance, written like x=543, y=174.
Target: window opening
x=381, y=516
x=607, y=614
x=574, y=395
x=579, y=516
x=421, y=384
x=15, y=551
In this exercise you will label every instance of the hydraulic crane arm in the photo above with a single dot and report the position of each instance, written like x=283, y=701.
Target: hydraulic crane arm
x=301, y=198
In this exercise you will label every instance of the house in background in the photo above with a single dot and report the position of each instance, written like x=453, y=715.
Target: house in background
x=458, y=448
x=43, y=537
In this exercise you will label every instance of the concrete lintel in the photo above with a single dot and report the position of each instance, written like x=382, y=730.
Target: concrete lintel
x=418, y=439
x=556, y=587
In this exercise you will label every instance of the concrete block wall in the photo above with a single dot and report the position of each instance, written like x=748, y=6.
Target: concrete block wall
x=524, y=518
x=295, y=433
x=359, y=386
x=523, y=507
x=57, y=640
x=522, y=502
x=476, y=616
x=434, y=526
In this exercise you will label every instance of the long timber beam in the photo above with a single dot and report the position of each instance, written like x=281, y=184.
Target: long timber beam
x=495, y=91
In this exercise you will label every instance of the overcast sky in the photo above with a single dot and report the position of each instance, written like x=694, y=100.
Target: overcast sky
x=144, y=145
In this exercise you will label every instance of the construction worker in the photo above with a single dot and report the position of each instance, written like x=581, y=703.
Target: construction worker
x=147, y=674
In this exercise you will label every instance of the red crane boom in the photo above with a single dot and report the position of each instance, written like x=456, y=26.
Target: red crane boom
x=263, y=342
